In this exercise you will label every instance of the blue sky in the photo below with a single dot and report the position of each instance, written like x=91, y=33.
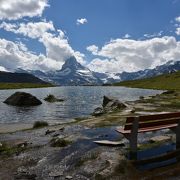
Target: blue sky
x=112, y=19
x=111, y=26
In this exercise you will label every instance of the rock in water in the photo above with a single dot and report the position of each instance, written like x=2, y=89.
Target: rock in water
x=109, y=105
x=22, y=99
x=106, y=100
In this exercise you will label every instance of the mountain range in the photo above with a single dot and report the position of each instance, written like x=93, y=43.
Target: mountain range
x=73, y=73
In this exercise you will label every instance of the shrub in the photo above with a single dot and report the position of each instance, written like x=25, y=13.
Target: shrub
x=51, y=98
x=40, y=124
x=59, y=142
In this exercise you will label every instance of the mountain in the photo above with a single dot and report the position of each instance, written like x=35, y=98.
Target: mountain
x=165, y=82
x=72, y=73
x=8, y=77
x=169, y=67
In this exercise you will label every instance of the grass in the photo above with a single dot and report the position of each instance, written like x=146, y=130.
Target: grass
x=7, y=150
x=51, y=98
x=56, y=142
x=162, y=82
x=40, y=124
x=22, y=85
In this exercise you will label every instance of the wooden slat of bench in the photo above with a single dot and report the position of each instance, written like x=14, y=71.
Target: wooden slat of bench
x=154, y=117
x=152, y=123
x=140, y=130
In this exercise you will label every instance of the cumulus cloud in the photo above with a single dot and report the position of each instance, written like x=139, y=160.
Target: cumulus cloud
x=81, y=21
x=132, y=55
x=17, y=9
x=56, y=44
x=16, y=55
x=32, y=29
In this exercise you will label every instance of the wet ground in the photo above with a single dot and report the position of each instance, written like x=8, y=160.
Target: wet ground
x=29, y=154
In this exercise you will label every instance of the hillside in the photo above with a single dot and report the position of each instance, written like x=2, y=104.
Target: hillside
x=8, y=77
x=164, y=82
x=20, y=80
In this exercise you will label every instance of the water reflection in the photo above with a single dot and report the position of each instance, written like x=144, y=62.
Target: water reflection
x=156, y=157
x=79, y=102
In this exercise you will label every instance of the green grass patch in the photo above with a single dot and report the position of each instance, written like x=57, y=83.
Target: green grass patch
x=7, y=150
x=51, y=98
x=40, y=124
x=162, y=82
x=59, y=142
x=22, y=85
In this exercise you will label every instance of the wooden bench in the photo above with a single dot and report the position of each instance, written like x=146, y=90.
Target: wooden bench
x=141, y=124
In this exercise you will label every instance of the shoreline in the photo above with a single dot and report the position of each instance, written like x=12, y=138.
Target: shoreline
x=14, y=127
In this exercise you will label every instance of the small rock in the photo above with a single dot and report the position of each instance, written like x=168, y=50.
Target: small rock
x=133, y=111
x=56, y=135
x=69, y=177
x=62, y=128
x=159, y=139
x=169, y=92
x=98, y=111
x=55, y=174
x=21, y=144
x=49, y=132
x=106, y=100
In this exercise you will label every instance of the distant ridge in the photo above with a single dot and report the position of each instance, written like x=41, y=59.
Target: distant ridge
x=162, y=82
x=8, y=77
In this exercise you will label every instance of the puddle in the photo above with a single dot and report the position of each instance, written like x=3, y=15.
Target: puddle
x=142, y=156
x=108, y=133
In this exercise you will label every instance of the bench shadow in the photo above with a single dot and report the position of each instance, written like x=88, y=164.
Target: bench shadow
x=155, y=157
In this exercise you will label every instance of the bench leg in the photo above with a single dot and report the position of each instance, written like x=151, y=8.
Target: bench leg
x=133, y=147
x=178, y=136
x=133, y=139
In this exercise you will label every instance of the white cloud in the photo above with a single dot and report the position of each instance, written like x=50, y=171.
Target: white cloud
x=32, y=29
x=93, y=49
x=17, y=9
x=178, y=31
x=177, y=25
x=58, y=49
x=153, y=35
x=16, y=55
x=177, y=19
x=126, y=36
x=81, y=21
x=132, y=55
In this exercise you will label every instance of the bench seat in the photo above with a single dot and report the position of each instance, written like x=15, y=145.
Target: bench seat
x=147, y=129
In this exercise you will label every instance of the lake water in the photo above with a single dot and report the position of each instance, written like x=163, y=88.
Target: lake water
x=79, y=102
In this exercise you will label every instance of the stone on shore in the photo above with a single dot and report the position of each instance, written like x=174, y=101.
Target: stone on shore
x=159, y=139
x=109, y=105
x=22, y=99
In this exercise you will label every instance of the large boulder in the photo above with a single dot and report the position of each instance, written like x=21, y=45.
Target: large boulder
x=22, y=99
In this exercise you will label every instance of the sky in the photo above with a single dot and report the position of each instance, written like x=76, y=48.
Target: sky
x=104, y=35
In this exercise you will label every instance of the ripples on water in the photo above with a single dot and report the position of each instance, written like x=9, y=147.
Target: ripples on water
x=79, y=102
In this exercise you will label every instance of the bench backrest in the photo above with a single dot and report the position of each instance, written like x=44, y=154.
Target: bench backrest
x=153, y=120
